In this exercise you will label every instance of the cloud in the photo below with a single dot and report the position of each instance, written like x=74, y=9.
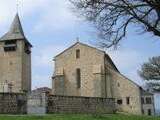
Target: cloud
x=43, y=65
x=128, y=62
x=51, y=14
x=126, y=58
x=56, y=16
x=44, y=55
x=8, y=10
x=41, y=81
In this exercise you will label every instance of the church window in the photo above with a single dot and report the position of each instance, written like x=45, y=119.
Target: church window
x=119, y=101
x=27, y=48
x=10, y=45
x=10, y=63
x=7, y=49
x=118, y=84
x=128, y=100
x=9, y=42
x=148, y=100
x=78, y=77
x=77, y=53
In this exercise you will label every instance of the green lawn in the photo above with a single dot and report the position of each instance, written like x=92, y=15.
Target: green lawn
x=78, y=117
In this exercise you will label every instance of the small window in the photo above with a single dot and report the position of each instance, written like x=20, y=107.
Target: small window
x=11, y=48
x=148, y=100
x=27, y=48
x=10, y=45
x=142, y=100
x=77, y=53
x=118, y=84
x=9, y=42
x=78, y=77
x=128, y=100
x=119, y=101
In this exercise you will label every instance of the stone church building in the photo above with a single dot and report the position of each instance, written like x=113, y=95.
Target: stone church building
x=82, y=70
x=15, y=60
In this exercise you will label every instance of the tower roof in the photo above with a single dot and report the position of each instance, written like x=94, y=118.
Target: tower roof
x=15, y=32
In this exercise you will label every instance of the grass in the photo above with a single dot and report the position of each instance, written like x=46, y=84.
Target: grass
x=78, y=117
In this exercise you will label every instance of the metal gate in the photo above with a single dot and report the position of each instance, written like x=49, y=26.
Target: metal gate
x=36, y=104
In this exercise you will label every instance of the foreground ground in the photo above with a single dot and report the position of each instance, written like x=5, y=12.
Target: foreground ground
x=78, y=117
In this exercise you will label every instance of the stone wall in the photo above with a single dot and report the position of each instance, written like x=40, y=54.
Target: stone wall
x=10, y=67
x=124, y=88
x=26, y=69
x=70, y=104
x=12, y=103
x=15, y=68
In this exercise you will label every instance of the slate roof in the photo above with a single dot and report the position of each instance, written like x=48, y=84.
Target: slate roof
x=15, y=32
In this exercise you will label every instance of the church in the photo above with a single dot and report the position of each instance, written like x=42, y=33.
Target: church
x=82, y=70
x=15, y=60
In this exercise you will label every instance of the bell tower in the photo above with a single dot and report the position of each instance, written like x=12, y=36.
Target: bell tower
x=15, y=60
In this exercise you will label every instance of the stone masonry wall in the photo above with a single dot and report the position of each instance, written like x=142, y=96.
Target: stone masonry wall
x=15, y=68
x=90, y=63
x=11, y=67
x=26, y=69
x=12, y=103
x=124, y=88
x=70, y=104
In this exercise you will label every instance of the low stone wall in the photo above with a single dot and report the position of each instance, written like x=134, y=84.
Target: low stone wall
x=12, y=103
x=70, y=104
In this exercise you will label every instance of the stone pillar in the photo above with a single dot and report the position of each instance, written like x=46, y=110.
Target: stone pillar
x=98, y=86
x=108, y=81
x=98, y=81
x=59, y=82
x=59, y=85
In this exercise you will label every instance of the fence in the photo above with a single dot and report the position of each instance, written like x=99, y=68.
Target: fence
x=37, y=104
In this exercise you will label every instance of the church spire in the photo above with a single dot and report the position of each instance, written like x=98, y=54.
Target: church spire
x=15, y=31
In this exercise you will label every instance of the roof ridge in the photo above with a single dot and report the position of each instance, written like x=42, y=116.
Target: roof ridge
x=81, y=44
x=15, y=31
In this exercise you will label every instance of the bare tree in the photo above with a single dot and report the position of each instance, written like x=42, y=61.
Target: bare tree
x=153, y=86
x=151, y=70
x=112, y=17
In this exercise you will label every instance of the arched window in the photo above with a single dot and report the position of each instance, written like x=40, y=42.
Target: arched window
x=77, y=53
